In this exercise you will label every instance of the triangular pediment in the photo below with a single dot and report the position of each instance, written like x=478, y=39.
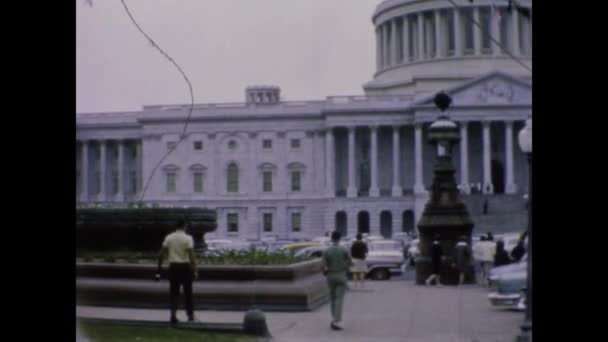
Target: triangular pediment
x=493, y=89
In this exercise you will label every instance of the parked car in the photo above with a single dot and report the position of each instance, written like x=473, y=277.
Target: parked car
x=384, y=258
x=226, y=244
x=496, y=272
x=510, y=288
x=311, y=252
x=295, y=247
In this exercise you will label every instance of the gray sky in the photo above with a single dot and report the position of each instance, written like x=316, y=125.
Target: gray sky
x=310, y=48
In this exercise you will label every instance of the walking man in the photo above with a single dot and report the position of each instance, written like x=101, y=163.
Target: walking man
x=335, y=264
x=358, y=252
x=178, y=248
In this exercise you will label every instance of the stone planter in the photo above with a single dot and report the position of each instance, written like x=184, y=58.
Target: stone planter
x=295, y=287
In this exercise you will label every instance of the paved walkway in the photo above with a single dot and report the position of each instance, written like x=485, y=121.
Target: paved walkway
x=392, y=311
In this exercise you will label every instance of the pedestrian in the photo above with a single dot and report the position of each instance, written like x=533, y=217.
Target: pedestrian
x=485, y=207
x=436, y=255
x=335, y=264
x=178, y=248
x=490, y=236
x=501, y=257
x=519, y=250
x=462, y=258
x=358, y=252
x=487, y=250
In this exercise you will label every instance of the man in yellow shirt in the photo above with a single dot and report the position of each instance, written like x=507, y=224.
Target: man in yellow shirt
x=178, y=247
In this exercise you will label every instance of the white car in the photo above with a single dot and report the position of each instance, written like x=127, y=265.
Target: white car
x=225, y=244
x=384, y=257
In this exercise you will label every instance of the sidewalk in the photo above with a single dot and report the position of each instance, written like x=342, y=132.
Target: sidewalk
x=392, y=311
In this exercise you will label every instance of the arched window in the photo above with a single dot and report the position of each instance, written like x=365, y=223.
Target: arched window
x=232, y=178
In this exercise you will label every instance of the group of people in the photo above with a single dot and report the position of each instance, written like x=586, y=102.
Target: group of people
x=336, y=263
x=486, y=253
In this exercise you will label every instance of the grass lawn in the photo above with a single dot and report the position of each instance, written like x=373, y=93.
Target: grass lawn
x=118, y=333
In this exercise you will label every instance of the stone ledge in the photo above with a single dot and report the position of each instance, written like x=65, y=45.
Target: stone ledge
x=302, y=294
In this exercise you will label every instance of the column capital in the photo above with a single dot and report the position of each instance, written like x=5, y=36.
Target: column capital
x=373, y=128
x=486, y=123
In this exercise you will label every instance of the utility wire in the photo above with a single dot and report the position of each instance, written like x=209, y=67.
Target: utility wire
x=183, y=135
x=484, y=32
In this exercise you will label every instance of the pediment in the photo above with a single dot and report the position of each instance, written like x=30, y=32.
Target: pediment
x=494, y=89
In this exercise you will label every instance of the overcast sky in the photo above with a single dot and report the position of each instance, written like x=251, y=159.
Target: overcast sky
x=310, y=48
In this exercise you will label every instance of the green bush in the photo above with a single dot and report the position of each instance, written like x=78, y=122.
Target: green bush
x=248, y=257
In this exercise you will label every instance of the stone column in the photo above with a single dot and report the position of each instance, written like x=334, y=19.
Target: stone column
x=329, y=163
x=515, y=33
x=396, y=190
x=101, y=196
x=495, y=31
x=420, y=36
x=394, y=43
x=121, y=172
x=487, y=158
x=406, y=39
x=458, y=41
x=464, y=158
x=351, y=191
x=373, y=189
x=419, y=182
x=378, y=49
x=84, y=172
x=439, y=51
x=476, y=32
x=139, y=167
x=511, y=188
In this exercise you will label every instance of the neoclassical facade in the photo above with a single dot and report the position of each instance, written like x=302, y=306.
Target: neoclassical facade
x=355, y=163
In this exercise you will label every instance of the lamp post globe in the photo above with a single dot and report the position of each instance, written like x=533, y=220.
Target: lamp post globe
x=525, y=143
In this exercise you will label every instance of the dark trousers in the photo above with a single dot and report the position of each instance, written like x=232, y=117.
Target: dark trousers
x=181, y=274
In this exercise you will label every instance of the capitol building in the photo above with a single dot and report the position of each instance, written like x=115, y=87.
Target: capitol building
x=361, y=163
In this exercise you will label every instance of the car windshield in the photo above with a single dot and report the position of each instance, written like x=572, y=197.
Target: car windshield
x=385, y=246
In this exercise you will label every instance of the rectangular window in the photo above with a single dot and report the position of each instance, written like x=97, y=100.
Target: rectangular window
x=413, y=38
x=296, y=222
x=233, y=222
x=295, y=181
x=267, y=144
x=133, y=180
x=98, y=182
x=198, y=145
x=295, y=143
x=267, y=222
x=505, y=37
x=115, y=182
x=198, y=182
x=485, y=19
x=134, y=153
x=469, y=45
x=78, y=182
x=267, y=181
x=171, y=188
x=171, y=145
x=449, y=27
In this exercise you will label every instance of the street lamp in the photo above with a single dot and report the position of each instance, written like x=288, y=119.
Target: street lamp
x=525, y=143
x=445, y=216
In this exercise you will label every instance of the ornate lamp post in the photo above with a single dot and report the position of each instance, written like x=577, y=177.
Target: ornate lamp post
x=444, y=215
x=525, y=143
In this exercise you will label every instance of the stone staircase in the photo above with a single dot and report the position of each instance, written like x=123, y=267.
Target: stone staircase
x=506, y=213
